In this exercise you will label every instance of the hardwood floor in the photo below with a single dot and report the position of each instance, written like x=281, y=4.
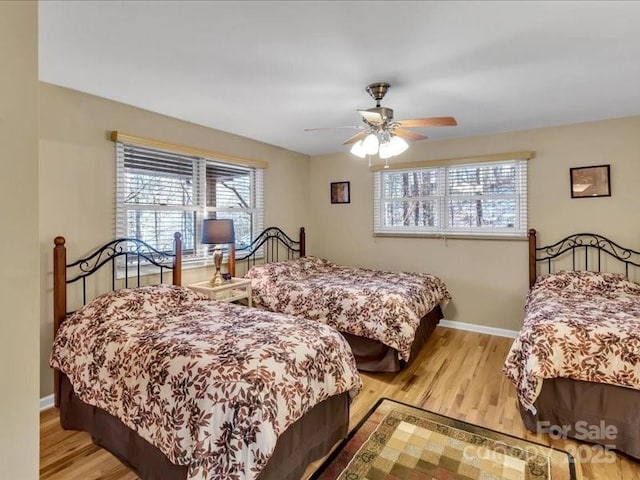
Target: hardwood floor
x=457, y=374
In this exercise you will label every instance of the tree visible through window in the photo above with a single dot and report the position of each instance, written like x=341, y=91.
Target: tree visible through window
x=230, y=195
x=411, y=198
x=476, y=199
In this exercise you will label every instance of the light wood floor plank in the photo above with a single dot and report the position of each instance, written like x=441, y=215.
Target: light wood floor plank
x=457, y=374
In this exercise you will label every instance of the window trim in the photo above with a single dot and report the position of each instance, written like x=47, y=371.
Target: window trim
x=489, y=158
x=133, y=140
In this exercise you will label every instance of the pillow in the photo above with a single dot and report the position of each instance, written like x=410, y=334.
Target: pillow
x=140, y=301
x=294, y=269
x=582, y=282
x=312, y=263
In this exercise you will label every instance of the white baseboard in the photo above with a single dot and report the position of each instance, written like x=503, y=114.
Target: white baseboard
x=472, y=327
x=46, y=402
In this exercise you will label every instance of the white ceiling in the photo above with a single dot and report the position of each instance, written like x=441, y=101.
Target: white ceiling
x=268, y=70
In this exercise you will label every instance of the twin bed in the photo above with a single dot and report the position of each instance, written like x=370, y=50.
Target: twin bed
x=180, y=387
x=386, y=317
x=576, y=362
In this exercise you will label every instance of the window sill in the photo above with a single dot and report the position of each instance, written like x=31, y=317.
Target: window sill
x=452, y=236
x=147, y=270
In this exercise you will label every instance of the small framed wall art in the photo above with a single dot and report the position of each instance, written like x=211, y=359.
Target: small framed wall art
x=340, y=192
x=589, y=182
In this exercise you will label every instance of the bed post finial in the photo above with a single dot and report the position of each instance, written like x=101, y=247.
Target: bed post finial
x=303, y=239
x=177, y=261
x=59, y=300
x=532, y=257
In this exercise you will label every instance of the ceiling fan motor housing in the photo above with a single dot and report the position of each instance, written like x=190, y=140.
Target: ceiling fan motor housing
x=386, y=114
x=378, y=91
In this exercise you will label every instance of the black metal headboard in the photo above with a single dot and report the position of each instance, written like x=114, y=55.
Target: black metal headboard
x=579, y=245
x=137, y=254
x=270, y=243
x=130, y=248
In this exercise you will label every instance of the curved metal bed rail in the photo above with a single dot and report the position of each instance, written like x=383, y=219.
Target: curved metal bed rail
x=130, y=248
x=122, y=247
x=587, y=242
x=269, y=243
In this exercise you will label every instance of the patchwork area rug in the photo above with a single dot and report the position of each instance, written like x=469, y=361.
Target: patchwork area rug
x=398, y=441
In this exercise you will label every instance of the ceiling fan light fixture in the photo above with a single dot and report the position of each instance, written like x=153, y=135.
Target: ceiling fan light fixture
x=385, y=150
x=397, y=145
x=358, y=149
x=383, y=135
x=371, y=144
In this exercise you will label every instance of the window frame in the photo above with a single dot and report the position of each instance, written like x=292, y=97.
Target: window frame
x=444, y=198
x=199, y=255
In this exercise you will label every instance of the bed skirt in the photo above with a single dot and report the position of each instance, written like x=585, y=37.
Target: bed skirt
x=591, y=412
x=373, y=356
x=308, y=439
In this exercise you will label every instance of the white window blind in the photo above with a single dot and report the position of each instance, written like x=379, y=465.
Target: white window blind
x=159, y=193
x=478, y=199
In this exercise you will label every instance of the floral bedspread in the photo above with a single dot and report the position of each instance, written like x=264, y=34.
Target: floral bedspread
x=579, y=325
x=211, y=384
x=383, y=306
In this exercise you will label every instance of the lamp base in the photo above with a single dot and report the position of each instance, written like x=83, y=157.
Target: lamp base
x=216, y=280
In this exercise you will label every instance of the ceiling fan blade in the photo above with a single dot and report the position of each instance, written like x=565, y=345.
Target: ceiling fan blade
x=371, y=117
x=355, y=138
x=429, y=122
x=332, y=128
x=408, y=135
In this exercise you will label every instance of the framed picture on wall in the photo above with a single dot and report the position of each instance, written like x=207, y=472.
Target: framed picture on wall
x=340, y=192
x=590, y=181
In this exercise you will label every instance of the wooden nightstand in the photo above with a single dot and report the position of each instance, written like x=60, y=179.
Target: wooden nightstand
x=230, y=291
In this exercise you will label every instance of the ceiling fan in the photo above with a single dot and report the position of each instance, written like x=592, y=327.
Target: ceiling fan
x=381, y=134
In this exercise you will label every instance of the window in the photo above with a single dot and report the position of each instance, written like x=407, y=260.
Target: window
x=159, y=193
x=482, y=199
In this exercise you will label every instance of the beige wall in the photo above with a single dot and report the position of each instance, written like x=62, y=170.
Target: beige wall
x=19, y=292
x=487, y=278
x=77, y=176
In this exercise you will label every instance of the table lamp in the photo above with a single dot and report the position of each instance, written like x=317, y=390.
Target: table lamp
x=217, y=232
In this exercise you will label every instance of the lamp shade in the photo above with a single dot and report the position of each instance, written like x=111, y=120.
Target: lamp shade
x=216, y=231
